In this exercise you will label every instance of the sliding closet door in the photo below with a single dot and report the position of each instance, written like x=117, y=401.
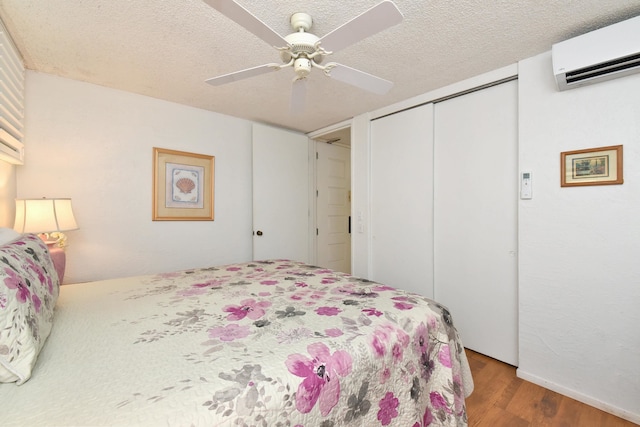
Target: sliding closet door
x=475, y=217
x=402, y=200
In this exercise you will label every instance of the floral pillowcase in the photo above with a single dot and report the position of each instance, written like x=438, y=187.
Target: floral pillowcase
x=29, y=288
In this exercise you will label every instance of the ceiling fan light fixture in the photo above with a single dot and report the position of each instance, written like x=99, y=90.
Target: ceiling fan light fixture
x=302, y=67
x=301, y=44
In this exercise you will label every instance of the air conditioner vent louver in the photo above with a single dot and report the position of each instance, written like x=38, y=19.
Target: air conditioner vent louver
x=622, y=64
x=600, y=55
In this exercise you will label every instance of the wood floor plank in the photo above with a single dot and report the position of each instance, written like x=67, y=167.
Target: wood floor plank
x=502, y=399
x=509, y=391
x=570, y=411
x=525, y=402
x=548, y=409
x=498, y=417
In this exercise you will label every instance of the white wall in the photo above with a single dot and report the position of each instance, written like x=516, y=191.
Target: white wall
x=579, y=273
x=94, y=145
x=7, y=194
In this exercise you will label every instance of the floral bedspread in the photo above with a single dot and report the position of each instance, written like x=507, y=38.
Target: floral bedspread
x=273, y=343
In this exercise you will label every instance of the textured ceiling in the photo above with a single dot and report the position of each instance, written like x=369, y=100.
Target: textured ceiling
x=166, y=49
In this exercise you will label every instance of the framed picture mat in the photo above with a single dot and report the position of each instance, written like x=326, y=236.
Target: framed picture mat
x=591, y=166
x=183, y=186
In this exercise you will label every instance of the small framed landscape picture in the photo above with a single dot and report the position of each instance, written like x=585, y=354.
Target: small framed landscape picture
x=182, y=186
x=592, y=166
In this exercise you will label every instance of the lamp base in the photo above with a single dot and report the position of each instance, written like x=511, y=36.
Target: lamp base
x=59, y=258
x=58, y=255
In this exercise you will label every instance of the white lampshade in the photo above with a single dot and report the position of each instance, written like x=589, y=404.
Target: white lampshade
x=44, y=216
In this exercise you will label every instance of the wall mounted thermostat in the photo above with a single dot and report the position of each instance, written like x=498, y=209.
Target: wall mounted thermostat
x=525, y=186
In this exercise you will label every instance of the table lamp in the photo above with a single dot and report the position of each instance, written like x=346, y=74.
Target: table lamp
x=48, y=218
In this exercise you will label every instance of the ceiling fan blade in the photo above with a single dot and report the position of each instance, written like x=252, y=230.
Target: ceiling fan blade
x=243, y=17
x=242, y=74
x=359, y=79
x=374, y=20
x=298, y=96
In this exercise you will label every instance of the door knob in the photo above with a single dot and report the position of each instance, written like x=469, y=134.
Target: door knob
x=259, y=233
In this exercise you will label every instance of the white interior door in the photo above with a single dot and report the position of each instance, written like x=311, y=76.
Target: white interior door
x=333, y=184
x=280, y=194
x=402, y=200
x=475, y=217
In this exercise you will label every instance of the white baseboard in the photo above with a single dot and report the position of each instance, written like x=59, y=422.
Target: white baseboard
x=618, y=412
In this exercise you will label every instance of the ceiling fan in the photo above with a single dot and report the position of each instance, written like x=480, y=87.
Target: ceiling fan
x=304, y=51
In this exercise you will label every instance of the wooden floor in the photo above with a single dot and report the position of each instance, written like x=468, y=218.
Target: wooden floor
x=501, y=399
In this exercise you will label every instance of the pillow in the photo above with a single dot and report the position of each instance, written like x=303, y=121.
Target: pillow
x=29, y=288
x=7, y=235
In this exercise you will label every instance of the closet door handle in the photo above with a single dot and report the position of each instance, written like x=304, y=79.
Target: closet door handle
x=259, y=233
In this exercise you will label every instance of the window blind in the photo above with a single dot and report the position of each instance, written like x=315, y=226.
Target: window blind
x=11, y=100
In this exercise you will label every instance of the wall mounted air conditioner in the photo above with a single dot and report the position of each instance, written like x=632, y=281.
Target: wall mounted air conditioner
x=600, y=55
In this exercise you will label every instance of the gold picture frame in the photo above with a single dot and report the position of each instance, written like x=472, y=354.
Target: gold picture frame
x=183, y=186
x=592, y=166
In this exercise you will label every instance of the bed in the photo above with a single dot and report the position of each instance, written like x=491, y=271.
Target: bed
x=269, y=343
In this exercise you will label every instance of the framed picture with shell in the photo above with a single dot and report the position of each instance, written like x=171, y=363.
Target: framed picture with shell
x=183, y=186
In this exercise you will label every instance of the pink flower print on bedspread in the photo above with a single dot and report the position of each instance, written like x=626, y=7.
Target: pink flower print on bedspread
x=328, y=311
x=333, y=332
x=42, y=277
x=230, y=332
x=388, y=337
x=248, y=308
x=421, y=339
x=382, y=288
x=15, y=282
x=36, y=302
x=372, y=312
x=439, y=402
x=422, y=350
x=444, y=356
x=388, y=408
x=402, y=303
x=427, y=419
x=321, y=374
